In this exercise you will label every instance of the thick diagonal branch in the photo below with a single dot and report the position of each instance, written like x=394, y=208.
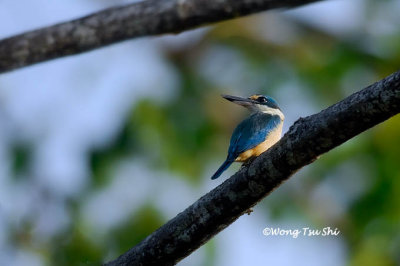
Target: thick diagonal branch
x=112, y=25
x=307, y=139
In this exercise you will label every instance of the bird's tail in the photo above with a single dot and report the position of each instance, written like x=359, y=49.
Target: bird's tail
x=222, y=168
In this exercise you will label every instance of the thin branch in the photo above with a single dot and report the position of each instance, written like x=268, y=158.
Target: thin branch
x=151, y=17
x=307, y=139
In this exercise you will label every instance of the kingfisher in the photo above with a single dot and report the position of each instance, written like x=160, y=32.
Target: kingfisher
x=255, y=134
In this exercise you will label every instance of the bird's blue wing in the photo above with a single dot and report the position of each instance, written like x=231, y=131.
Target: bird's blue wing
x=251, y=132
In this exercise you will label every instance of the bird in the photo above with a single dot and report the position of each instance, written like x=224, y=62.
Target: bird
x=255, y=134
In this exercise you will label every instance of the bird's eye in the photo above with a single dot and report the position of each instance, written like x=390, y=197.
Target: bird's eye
x=262, y=99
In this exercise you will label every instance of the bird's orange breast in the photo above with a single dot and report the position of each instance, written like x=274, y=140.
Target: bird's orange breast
x=272, y=138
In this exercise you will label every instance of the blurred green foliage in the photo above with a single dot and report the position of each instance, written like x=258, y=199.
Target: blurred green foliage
x=73, y=248
x=184, y=135
x=22, y=156
x=136, y=228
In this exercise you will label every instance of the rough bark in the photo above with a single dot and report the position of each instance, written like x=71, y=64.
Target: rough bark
x=151, y=17
x=307, y=139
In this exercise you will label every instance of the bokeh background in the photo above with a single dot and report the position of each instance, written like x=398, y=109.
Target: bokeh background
x=100, y=149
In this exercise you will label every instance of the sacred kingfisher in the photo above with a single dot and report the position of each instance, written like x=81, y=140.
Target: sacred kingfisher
x=255, y=134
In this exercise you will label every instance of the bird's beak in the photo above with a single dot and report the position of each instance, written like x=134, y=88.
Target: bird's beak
x=238, y=100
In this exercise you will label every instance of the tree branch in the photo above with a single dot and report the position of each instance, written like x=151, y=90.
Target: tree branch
x=307, y=139
x=116, y=24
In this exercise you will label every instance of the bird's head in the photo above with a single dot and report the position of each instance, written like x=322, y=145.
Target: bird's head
x=257, y=103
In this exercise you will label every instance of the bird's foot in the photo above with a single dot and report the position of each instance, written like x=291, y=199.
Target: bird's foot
x=249, y=211
x=248, y=162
